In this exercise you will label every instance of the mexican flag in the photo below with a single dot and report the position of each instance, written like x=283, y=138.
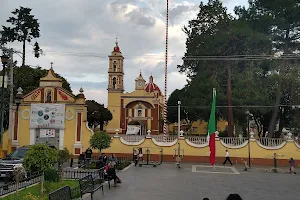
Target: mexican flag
x=212, y=130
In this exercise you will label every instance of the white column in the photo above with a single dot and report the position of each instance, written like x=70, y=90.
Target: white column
x=61, y=139
x=32, y=136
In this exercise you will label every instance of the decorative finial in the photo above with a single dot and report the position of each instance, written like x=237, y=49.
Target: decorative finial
x=51, y=65
x=81, y=90
x=140, y=72
x=117, y=41
x=20, y=90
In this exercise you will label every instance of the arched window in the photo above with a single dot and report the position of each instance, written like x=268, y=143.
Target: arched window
x=48, y=96
x=114, y=80
x=115, y=66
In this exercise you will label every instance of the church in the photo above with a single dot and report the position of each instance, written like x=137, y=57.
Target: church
x=133, y=112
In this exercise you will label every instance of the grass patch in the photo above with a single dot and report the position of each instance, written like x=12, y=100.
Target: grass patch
x=123, y=164
x=33, y=193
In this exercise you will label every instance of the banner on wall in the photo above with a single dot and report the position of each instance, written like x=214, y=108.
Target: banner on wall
x=132, y=130
x=47, y=133
x=47, y=116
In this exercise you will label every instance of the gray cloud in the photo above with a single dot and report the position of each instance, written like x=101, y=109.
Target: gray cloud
x=89, y=85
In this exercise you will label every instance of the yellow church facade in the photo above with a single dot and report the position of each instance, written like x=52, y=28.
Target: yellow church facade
x=133, y=112
x=50, y=114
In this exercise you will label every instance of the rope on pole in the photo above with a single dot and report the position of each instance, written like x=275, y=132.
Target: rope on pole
x=166, y=72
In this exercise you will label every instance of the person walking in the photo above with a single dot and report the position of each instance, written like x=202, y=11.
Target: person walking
x=135, y=157
x=227, y=158
x=292, y=166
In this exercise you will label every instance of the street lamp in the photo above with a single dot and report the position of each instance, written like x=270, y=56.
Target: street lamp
x=248, y=114
x=19, y=97
x=4, y=61
x=179, y=103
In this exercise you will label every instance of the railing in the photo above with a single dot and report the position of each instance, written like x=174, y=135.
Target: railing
x=233, y=141
x=12, y=186
x=271, y=142
x=160, y=138
x=133, y=138
x=75, y=174
x=197, y=139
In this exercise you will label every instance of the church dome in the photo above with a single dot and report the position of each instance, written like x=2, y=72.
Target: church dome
x=152, y=87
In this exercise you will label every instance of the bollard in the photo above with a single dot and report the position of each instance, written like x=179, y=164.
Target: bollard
x=71, y=162
x=275, y=161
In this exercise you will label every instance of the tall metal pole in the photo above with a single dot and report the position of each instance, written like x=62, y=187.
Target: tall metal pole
x=249, y=156
x=166, y=72
x=11, y=97
x=2, y=105
x=178, y=123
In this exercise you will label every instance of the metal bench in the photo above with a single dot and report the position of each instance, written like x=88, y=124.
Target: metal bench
x=63, y=193
x=104, y=177
x=88, y=186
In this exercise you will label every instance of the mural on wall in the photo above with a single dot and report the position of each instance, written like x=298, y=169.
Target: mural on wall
x=47, y=116
x=62, y=95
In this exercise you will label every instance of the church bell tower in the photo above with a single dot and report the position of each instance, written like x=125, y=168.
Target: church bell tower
x=116, y=71
x=115, y=89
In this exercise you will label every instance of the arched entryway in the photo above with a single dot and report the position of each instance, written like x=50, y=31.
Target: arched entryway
x=136, y=128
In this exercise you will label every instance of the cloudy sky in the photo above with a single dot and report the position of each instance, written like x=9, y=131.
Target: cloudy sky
x=77, y=36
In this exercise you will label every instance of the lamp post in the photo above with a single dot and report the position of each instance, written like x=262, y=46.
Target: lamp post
x=19, y=97
x=248, y=114
x=4, y=61
x=178, y=123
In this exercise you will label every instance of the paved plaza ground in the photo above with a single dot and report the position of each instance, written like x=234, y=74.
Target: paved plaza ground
x=197, y=181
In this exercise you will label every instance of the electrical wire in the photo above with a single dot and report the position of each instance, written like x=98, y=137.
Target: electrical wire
x=188, y=57
x=243, y=106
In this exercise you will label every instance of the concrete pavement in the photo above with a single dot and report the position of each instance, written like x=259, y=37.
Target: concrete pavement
x=167, y=182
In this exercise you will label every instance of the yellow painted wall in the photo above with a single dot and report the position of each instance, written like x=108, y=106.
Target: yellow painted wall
x=114, y=106
x=290, y=150
x=199, y=127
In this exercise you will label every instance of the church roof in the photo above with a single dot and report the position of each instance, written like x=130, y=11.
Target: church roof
x=151, y=86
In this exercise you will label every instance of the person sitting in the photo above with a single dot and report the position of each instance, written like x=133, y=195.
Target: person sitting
x=111, y=172
x=113, y=159
x=103, y=160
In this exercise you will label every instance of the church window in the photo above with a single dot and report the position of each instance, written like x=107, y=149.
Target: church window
x=115, y=66
x=114, y=80
x=140, y=112
x=49, y=96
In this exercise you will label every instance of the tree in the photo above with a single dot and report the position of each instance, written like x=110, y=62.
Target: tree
x=63, y=156
x=24, y=27
x=283, y=27
x=222, y=36
x=100, y=140
x=97, y=114
x=40, y=157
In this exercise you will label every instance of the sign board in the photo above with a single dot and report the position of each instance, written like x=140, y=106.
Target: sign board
x=47, y=133
x=132, y=130
x=47, y=116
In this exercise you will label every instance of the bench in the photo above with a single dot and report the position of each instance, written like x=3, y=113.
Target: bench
x=88, y=186
x=63, y=193
x=104, y=177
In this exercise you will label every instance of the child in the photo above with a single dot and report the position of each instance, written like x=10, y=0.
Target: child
x=292, y=166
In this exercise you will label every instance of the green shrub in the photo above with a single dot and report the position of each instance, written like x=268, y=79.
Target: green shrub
x=52, y=175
